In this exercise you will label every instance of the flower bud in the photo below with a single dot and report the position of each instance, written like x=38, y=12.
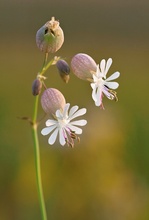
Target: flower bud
x=36, y=87
x=64, y=70
x=52, y=100
x=83, y=66
x=50, y=37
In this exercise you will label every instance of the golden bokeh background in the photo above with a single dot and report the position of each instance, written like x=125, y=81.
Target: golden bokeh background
x=106, y=176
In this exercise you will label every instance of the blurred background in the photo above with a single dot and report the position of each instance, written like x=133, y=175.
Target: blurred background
x=106, y=175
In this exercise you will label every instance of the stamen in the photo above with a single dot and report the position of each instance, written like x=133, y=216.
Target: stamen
x=69, y=144
x=73, y=135
x=70, y=136
x=114, y=96
x=78, y=139
x=102, y=106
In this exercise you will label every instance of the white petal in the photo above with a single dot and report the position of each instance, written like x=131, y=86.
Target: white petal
x=53, y=137
x=47, y=130
x=112, y=85
x=98, y=74
x=75, y=129
x=73, y=110
x=93, y=85
x=80, y=112
x=95, y=77
x=113, y=76
x=102, y=65
x=98, y=101
x=97, y=95
x=61, y=137
x=94, y=93
x=58, y=114
x=50, y=122
x=109, y=62
x=65, y=112
x=79, y=122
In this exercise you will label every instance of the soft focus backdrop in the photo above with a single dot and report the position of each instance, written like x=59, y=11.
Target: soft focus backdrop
x=106, y=176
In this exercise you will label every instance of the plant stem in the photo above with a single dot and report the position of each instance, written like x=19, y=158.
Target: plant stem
x=38, y=171
x=37, y=151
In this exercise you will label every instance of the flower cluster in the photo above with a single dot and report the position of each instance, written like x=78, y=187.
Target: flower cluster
x=61, y=124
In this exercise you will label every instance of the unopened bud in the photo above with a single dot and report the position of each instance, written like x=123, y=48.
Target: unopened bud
x=52, y=100
x=83, y=66
x=64, y=70
x=50, y=37
x=36, y=87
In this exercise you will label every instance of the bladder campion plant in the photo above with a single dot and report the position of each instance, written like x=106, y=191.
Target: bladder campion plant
x=61, y=124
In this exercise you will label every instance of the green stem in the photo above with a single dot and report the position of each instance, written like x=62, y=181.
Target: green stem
x=38, y=171
x=36, y=143
x=37, y=150
x=46, y=67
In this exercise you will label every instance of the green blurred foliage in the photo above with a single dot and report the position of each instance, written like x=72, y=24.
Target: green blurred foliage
x=106, y=176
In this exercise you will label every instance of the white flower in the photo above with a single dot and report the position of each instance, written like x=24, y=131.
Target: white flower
x=63, y=127
x=101, y=85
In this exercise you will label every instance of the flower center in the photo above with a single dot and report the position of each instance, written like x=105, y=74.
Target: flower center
x=63, y=122
x=99, y=82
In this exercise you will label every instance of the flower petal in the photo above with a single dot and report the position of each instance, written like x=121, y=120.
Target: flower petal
x=47, y=130
x=53, y=137
x=80, y=112
x=98, y=74
x=73, y=110
x=112, y=85
x=93, y=85
x=113, y=76
x=79, y=122
x=59, y=114
x=95, y=76
x=97, y=94
x=94, y=93
x=75, y=129
x=65, y=112
x=61, y=137
x=98, y=101
x=109, y=62
x=102, y=65
x=50, y=122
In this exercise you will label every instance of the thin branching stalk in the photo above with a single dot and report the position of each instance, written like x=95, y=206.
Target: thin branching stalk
x=36, y=146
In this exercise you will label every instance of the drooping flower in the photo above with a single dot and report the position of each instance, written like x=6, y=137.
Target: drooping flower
x=62, y=123
x=84, y=67
x=102, y=85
